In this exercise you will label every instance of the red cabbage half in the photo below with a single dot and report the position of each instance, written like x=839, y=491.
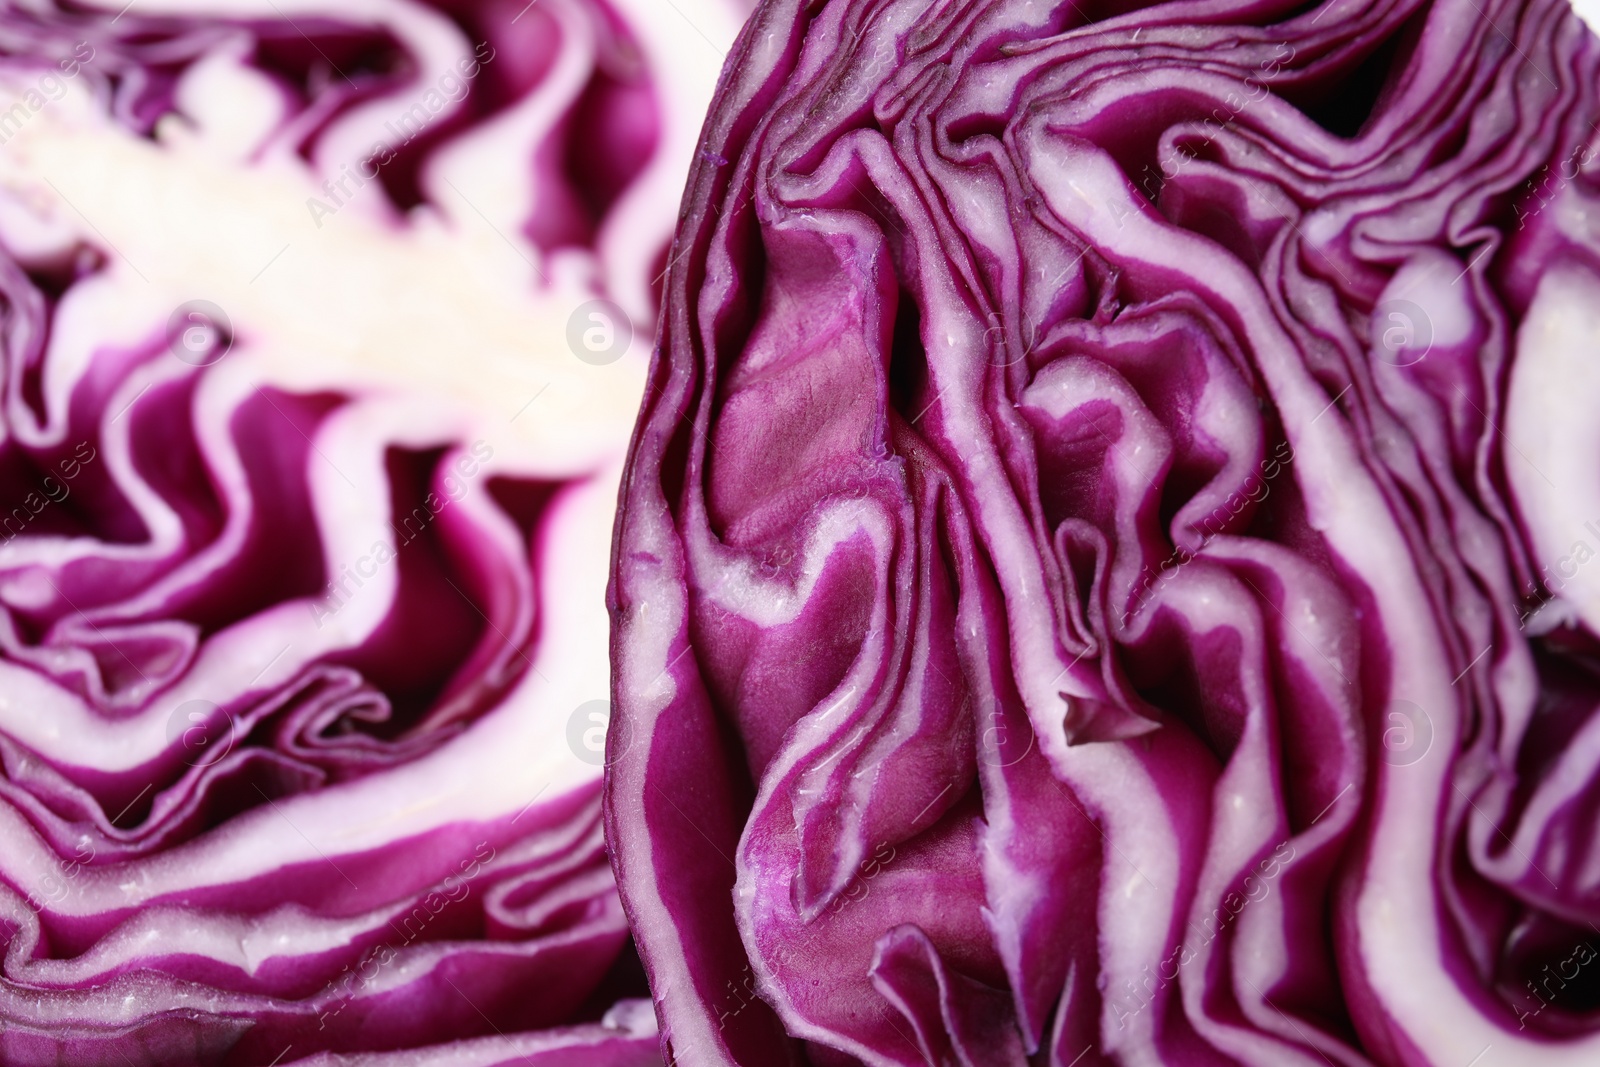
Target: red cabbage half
x=304, y=514
x=1106, y=567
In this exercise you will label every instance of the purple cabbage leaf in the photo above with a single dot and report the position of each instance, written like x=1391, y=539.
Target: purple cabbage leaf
x=1104, y=572
x=305, y=500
